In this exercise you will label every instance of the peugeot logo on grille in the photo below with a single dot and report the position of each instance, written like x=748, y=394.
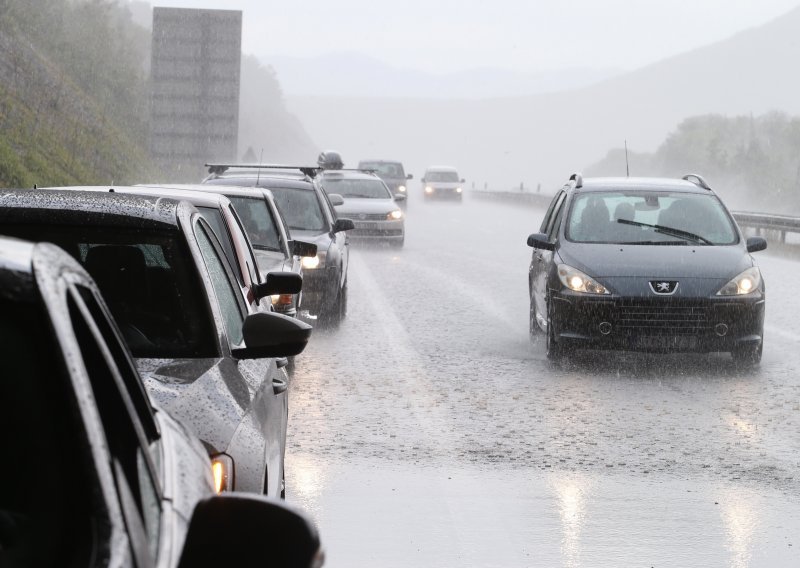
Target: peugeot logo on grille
x=664, y=287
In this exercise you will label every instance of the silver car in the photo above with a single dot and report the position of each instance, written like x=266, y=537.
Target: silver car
x=364, y=197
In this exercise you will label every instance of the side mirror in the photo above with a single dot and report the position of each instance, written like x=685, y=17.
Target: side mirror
x=409, y=176
x=343, y=225
x=335, y=199
x=280, y=283
x=302, y=248
x=422, y=179
x=463, y=181
x=223, y=530
x=540, y=241
x=269, y=334
x=399, y=197
x=755, y=244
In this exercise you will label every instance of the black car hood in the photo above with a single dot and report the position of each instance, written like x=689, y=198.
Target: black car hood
x=204, y=394
x=656, y=261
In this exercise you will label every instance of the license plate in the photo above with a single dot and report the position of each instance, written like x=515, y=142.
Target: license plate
x=668, y=342
x=366, y=226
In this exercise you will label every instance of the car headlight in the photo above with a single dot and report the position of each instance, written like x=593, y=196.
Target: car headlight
x=459, y=190
x=401, y=188
x=312, y=262
x=281, y=299
x=577, y=281
x=747, y=282
x=222, y=470
x=395, y=215
x=428, y=189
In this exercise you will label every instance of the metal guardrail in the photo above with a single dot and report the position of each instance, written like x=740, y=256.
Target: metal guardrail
x=761, y=222
x=767, y=222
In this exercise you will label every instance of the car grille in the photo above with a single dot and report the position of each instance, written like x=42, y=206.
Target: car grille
x=369, y=217
x=658, y=319
x=377, y=233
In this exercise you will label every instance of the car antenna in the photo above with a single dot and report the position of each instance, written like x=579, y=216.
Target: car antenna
x=627, y=166
x=260, y=161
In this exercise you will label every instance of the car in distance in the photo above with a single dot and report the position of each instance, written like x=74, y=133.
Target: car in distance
x=109, y=479
x=442, y=181
x=391, y=172
x=366, y=200
x=210, y=358
x=310, y=216
x=645, y=264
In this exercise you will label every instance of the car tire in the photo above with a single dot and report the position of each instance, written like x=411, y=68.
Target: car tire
x=334, y=315
x=749, y=356
x=553, y=350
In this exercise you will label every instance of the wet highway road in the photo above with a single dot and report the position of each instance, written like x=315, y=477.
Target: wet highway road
x=429, y=431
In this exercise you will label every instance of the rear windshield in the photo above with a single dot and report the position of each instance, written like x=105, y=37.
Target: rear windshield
x=258, y=221
x=649, y=218
x=300, y=208
x=149, y=282
x=364, y=188
x=442, y=176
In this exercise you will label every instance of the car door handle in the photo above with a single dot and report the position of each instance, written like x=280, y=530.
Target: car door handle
x=279, y=386
x=281, y=362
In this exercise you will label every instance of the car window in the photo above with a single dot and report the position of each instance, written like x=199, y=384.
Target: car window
x=301, y=208
x=644, y=217
x=227, y=298
x=364, y=188
x=149, y=283
x=384, y=169
x=46, y=504
x=123, y=363
x=550, y=219
x=555, y=222
x=123, y=432
x=547, y=216
x=240, y=234
x=258, y=222
x=215, y=219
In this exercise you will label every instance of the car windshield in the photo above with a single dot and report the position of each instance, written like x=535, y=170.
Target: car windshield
x=384, y=169
x=442, y=176
x=649, y=218
x=148, y=281
x=258, y=221
x=300, y=208
x=365, y=188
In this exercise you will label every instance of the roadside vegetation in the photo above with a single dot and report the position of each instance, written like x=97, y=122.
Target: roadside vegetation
x=752, y=161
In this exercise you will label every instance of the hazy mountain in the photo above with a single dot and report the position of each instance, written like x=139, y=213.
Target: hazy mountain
x=354, y=74
x=544, y=138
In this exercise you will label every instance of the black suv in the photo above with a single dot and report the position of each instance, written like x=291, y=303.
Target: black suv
x=310, y=215
x=645, y=264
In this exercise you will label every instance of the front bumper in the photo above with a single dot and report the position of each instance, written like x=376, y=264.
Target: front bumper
x=657, y=324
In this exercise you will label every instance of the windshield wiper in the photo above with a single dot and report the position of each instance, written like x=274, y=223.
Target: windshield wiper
x=681, y=234
x=358, y=195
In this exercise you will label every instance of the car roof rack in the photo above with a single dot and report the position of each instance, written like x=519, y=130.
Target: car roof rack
x=310, y=171
x=577, y=178
x=697, y=180
x=363, y=170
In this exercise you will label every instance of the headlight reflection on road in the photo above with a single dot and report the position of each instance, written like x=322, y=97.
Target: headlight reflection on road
x=572, y=493
x=740, y=510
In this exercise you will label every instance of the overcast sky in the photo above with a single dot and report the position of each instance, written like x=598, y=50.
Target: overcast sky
x=524, y=35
